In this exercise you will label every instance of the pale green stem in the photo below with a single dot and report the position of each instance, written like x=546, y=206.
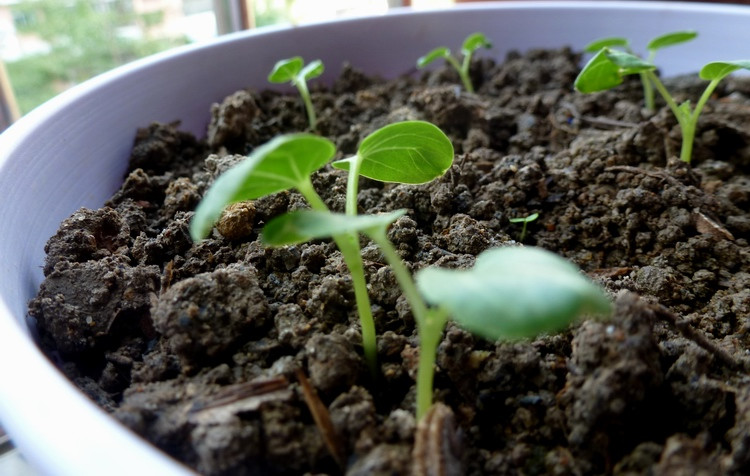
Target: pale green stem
x=352, y=185
x=648, y=92
x=648, y=88
x=430, y=322
x=430, y=334
x=349, y=246
x=687, y=120
x=464, y=74
x=305, y=93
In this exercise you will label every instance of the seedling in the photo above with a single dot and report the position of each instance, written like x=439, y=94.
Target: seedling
x=662, y=41
x=472, y=43
x=510, y=293
x=294, y=71
x=525, y=220
x=608, y=67
x=414, y=151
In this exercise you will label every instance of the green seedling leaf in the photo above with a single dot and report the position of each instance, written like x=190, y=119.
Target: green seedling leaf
x=607, y=68
x=475, y=41
x=283, y=163
x=627, y=63
x=300, y=226
x=527, y=219
x=513, y=292
x=669, y=39
x=611, y=42
x=406, y=152
x=312, y=70
x=599, y=74
x=286, y=70
x=439, y=52
x=720, y=69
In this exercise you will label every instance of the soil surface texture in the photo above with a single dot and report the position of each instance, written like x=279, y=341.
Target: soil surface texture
x=223, y=352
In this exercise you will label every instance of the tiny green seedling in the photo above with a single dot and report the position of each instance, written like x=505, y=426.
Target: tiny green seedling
x=294, y=71
x=410, y=152
x=525, y=220
x=472, y=43
x=608, y=67
x=661, y=41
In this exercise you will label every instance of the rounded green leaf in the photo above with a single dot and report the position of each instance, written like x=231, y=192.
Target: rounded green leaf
x=720, y=69
x=513, y=292
x=670, y=39
x=439, y=52
x=312, y=70
x=475, y=41
x=599, y=74
x=300, y=226
x=281, y=164
x=405, y=152
x=614, y=41
x=627, y=63
x=286, y=70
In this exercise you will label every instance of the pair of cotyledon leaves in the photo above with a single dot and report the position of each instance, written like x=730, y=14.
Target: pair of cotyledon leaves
x=511, y=292
x=608, y=67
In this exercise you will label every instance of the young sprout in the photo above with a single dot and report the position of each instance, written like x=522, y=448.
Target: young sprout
x=510, y=293
x=662, y=41
x=608, y=67
x=293, y=70
x=472, y=43
x=525, y=220
x=415, y=150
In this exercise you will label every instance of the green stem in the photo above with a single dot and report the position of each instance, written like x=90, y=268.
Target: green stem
x=648, y=92
x=686, y=121
x=430, y=334
x=352, y=185
x=349, y=246
x=430, y=322
x=403, y=276
x=305, y=93
x=463, y=73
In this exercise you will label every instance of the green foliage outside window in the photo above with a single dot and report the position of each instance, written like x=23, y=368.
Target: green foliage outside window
x=85, y=38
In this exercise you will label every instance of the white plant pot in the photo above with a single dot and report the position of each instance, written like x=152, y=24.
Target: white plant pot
x=73, y=151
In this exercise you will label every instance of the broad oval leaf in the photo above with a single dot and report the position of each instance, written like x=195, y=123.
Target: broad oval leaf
x=278, y=165
x=475, y=41
x=286, y=70
x=670, y=39
x=718, y=70
x=513, y=293
x=627, y=63
x=609, y=42
x=439, y=52
x=312, y=70
x=599, y=74
x=301, y=226
x=405, y=152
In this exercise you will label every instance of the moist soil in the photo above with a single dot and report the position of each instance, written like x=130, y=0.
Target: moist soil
x=224, y=353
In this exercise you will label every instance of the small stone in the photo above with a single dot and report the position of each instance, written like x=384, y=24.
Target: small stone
x=236, y=222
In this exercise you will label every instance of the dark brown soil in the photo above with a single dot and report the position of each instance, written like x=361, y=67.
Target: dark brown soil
x=199, y=346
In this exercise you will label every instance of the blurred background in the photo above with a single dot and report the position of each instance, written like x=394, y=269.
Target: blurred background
x=47, y=46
